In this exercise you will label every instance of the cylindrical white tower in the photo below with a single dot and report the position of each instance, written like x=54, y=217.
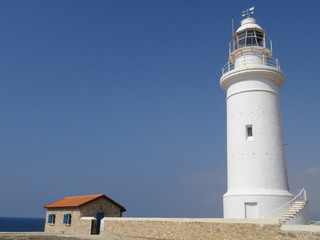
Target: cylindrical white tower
x=257, y=175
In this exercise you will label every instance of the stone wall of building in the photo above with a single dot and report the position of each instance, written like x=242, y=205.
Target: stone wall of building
x=60, y=227
x=100, y=205
x=208, y=229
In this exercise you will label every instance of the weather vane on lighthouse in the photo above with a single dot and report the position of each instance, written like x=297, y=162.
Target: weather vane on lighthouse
x=248, y=13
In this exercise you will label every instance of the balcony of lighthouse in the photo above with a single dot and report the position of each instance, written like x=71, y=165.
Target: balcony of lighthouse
x=250, y=48
x=246, y=63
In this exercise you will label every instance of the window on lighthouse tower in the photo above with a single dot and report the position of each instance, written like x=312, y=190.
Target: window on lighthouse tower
x=249, y=131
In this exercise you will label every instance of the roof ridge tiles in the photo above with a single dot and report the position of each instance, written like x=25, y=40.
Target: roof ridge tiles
x=78, y=201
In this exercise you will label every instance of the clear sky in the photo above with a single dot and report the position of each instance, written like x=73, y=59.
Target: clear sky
x=122, y=97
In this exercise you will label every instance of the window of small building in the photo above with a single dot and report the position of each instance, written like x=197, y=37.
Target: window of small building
x=67, y=219
x=51, y=218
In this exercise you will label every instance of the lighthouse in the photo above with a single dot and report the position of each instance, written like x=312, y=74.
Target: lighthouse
x=257, y=183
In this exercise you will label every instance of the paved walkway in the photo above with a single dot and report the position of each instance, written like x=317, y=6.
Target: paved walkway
x=51, y=236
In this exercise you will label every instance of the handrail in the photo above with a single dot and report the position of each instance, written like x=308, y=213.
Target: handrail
x=301, y=196
x=273, y=62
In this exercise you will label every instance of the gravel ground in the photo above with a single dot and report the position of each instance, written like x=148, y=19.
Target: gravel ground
x=46, y=236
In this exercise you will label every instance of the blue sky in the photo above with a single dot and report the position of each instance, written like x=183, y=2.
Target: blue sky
x=122, y=97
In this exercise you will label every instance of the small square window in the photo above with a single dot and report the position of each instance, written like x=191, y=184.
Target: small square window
x=249, y=131
x=67, y=219
x=51, y=218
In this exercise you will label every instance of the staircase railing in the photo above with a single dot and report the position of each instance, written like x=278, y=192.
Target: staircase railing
x=301, y=196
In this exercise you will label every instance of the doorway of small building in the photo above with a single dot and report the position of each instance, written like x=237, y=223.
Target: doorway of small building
x=99, y=216
x=251, y=210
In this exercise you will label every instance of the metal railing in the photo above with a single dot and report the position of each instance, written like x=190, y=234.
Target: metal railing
x=273, y=62
x=278, y=212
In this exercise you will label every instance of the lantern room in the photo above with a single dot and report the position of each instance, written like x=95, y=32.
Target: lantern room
x=249, y=34
x=250, y=44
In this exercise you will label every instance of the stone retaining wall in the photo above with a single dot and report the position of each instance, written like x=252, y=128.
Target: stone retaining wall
x=208, y=229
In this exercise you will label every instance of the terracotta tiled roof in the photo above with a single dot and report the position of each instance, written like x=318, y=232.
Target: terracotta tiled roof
x=78, y=201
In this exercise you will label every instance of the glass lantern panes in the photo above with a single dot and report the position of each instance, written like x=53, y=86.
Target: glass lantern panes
x=248, y=38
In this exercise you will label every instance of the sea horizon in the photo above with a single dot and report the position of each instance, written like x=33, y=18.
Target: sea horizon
x=22, y=224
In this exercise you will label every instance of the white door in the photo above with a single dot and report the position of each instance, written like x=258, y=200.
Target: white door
x=251, y=209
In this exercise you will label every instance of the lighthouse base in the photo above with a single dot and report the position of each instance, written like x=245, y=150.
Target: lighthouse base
x=254, y=204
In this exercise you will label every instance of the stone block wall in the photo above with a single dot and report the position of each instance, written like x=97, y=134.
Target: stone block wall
x=59, y=226
x=207, y=229
x=100, y=205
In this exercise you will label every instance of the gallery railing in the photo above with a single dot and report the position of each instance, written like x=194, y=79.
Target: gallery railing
x=273, y=62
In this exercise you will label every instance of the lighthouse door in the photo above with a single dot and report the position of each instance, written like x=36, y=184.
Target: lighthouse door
x=251, y=209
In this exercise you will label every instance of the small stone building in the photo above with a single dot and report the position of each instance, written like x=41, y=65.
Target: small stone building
x=80, y=214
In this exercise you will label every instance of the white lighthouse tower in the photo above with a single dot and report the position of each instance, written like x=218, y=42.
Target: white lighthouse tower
x=257, y=172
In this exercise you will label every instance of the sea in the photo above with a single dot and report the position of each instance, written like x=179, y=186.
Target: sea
x=14, y=224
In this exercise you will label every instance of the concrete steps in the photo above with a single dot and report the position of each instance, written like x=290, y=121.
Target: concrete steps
x=296, y=207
